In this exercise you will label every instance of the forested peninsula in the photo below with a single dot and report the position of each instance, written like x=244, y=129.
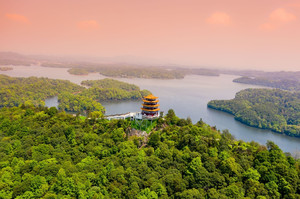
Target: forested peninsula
x=78, y=71
x=46, y=153
x=72, y=97
x=272, y=109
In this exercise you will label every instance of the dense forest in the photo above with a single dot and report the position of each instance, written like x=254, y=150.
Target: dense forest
x=72, y=97
x=272, y=109
x=16, y=91
x=109, y=89
x=99, y=91
x=283, y=80
x=110, y=83
x=45, y=153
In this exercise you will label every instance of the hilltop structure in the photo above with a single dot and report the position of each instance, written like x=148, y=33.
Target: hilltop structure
x=150, y=107
x=144, y=120
x=150, y=111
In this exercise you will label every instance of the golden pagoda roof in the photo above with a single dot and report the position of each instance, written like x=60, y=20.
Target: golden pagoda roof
x=155, y=105
x=153, y=110
x=150, y=97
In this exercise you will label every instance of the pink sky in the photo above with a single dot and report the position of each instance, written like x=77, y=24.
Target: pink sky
x=255, y=34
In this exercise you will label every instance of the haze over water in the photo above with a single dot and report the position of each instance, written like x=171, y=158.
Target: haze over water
x=188, y=97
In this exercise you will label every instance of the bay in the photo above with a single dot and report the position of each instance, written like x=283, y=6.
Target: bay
x=188, y=97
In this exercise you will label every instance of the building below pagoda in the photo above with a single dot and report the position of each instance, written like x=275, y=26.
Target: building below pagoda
x=150, y=107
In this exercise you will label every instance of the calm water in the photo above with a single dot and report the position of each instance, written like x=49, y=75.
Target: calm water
x=188, y=97
x=52, y=102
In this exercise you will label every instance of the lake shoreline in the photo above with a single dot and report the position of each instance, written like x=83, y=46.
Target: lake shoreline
x=253, y=126
x=188, y=97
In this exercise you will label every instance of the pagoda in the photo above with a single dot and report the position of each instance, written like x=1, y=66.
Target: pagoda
x=150, y=107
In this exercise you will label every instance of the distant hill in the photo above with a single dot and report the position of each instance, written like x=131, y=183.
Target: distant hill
x=12, y=58
x=114, y=67
x=286, y=80
x=285, y=84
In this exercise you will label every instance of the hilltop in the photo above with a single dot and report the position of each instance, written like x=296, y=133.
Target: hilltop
x=45, y=153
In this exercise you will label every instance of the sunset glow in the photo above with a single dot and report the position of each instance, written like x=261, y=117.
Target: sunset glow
x=257, y=34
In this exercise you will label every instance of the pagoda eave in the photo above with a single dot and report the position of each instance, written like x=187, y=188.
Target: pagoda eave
x=155, y=101
x=150, y=110
x=149, y=105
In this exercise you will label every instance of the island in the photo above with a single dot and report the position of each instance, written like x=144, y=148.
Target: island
x=272, y=109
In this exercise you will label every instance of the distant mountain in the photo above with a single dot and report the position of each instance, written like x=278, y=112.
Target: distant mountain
x=12, y=58
x=283, y=80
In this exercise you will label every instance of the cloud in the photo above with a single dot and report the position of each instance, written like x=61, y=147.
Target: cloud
x=281, y=15
x=17, y=18
x=219, y=18
x=278, y=18
x=88, y=25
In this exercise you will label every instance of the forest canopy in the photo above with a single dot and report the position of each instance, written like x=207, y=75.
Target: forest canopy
x=45, y=153
x=272, y=109
x=72, y=97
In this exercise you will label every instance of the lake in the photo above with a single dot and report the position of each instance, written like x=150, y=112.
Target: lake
x=188, y=97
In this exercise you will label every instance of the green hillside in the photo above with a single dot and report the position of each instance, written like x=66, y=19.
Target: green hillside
x=272, y=109
x=45, y=153
x=72, y=97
